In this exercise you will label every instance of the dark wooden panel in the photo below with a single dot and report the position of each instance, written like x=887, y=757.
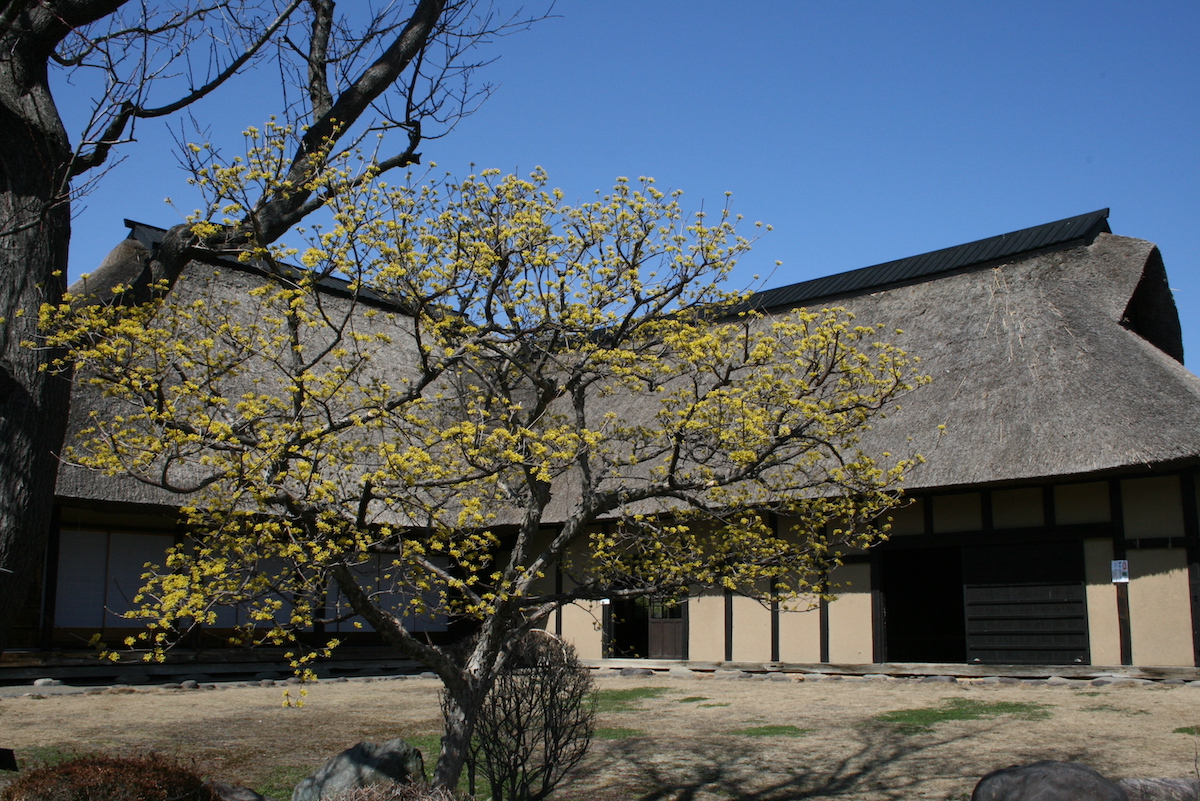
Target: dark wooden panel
x=666, y=639
x=667, y=630
x=1025, y=604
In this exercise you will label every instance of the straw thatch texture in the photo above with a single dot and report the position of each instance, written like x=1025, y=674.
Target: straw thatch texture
x=1055, y=365
x=1034, y=374
x=218, y=284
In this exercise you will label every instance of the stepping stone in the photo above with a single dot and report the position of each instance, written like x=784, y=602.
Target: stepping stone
x=730, y=674
x=632, y=671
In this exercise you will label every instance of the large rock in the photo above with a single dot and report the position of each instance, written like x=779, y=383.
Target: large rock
x=1161, y=789
x=1047, y=781
x=393, y=762
x=227, y=792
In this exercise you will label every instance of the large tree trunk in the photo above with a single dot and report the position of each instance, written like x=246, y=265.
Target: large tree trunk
x=460, y=712
x=34, y=233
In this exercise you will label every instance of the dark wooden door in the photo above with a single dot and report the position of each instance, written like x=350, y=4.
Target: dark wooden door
x=645, y=628
x=668, y=630
x=1026, y=604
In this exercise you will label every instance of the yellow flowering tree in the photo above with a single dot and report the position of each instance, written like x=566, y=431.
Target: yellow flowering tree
x=402, y=69
x=465, y=386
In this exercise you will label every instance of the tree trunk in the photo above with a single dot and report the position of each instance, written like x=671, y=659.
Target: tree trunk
x=34, y=234
x=460, y=713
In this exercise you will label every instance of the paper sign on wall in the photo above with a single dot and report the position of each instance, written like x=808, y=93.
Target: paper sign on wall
x=1120, y=571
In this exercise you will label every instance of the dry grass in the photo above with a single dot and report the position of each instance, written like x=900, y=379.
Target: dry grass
x=667, y=738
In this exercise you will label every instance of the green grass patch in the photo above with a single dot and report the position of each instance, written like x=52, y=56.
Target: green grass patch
x=1093, y=694
x=616, y=733
x=41, y=756
x=712, y=706
x=283, y=779
x=914, y=721
x=626, y=700
x=773, y=730
x=430, y=745
x=1194, y=730
x=691, y=699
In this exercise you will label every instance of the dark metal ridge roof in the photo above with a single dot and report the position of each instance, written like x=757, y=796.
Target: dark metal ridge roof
x=1058, y=235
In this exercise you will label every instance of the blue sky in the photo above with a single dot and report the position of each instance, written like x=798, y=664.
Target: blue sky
x=862, y=131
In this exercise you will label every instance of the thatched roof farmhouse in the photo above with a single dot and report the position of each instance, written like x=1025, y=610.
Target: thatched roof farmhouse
x=1055, y=520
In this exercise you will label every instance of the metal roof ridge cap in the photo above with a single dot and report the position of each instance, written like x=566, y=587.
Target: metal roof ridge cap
x=980, y=259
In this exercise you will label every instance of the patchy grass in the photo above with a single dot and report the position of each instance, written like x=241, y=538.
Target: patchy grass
x=1092, y=694
x=43, y=756
x=916, y=721
x=1194, y=730
x=282, y=779
x=665, y=748
x=626, y=700
x=616, y=733
x=1111, y=708
x=712, y=706
x=773, y=730
x=429, y=745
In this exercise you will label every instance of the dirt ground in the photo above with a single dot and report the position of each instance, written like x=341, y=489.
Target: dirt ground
x=689, y=742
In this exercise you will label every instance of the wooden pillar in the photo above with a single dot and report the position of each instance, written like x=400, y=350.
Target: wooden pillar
x=558, y=589
x=775, y=645
x=877, y=622
x=1048, y=514
x=1191, y=534
x=606, y=631
x=774, y=624
x=728, y=625
x=823, y=612
x=1117, y=515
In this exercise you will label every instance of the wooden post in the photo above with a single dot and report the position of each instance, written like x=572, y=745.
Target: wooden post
x=1117, y=515
x=1191, y=535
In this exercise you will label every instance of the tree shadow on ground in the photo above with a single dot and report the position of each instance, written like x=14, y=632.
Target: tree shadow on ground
x=876, y=763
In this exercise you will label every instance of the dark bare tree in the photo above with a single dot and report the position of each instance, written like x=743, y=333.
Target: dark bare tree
x=405, y=71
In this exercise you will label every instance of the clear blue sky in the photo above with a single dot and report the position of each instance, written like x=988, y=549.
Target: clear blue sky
x=863, y=131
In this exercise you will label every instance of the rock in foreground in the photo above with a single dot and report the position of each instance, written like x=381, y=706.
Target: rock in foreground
x=366, y=764
x=1047, y=781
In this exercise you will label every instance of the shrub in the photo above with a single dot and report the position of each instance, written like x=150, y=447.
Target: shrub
x=92, y=778
x=536, y=723
x=396, y=792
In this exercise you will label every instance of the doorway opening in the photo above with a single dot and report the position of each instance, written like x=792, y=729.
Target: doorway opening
x=1005, y=603
x=647, y=628
x=923, y=610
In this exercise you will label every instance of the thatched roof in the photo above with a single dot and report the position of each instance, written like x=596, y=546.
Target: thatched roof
x=217, y=282
x=1055, y=353
x=1065, y=363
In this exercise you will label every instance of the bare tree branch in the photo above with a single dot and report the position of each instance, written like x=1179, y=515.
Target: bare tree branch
x=318, y=58
x=129, y=111
x=275, y=214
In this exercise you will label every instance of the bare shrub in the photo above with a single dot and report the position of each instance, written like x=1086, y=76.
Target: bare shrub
x=91, y=778
x=537, y=722
x=397, y=792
